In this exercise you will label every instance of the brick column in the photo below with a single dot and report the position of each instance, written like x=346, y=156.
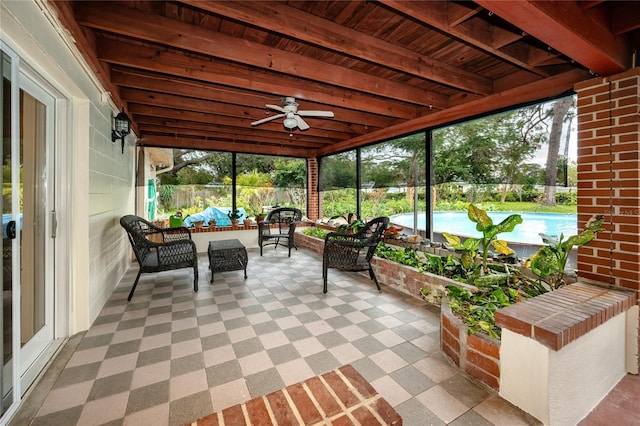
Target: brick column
x=609, y=177
x=313, y=197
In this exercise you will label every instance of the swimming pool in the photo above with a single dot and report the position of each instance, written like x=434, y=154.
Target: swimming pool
x=458, y=223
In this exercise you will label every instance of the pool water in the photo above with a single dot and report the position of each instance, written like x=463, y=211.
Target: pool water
x=458, y=223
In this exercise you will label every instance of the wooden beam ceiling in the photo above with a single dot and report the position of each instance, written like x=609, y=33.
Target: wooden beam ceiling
x=196, y=74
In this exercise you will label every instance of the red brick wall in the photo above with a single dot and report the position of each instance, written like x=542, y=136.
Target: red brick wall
x=609, y=177
x=313, y=204
x=476, y=354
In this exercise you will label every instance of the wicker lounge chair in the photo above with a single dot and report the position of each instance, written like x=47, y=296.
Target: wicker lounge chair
x=280, y=224
x=160, y=249
x=353, y=252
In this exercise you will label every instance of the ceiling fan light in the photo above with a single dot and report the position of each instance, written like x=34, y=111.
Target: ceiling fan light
x=290, y=123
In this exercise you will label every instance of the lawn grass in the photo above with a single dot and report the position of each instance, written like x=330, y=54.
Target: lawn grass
x=524, y=207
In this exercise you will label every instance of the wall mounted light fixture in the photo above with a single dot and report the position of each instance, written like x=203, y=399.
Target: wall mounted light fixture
x=122, y=125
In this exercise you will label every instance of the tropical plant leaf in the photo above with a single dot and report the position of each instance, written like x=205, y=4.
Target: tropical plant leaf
x=471, y=244
x=544, y=262
x=500, y=295
x=480, y=217
x=453, y=240
x=467, y=259
x=507, y=225
x=551, y=240
x=595, y=223
x=501, y=247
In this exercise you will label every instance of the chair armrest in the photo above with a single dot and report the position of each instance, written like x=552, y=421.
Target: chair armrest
x=293, y=224
x=263, y=224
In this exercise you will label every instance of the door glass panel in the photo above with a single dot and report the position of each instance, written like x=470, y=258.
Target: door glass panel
x=6, y=373
x=32, y=209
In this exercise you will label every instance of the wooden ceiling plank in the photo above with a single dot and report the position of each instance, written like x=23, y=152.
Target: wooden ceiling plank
x=539, y=90
x=566, y=27
x=133, y=23
x=207, y=134
x=225, y=146
x=248, y=134
x=474, y=31
x=255, y=104
x=277, y=17
x=625, y=17
x=176, y=64
x=172, y=113
x=215, y=109
x=64, y=12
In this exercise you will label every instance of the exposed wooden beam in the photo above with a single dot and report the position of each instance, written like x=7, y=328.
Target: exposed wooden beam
x=86, y=46
x=625, y=17
x=221, y=145
x=134, y=23
x=565, y=26
x=216, y=110
x=180, y=132
x=251, y=100
x=158, y=125
x=278, y=17
x=226, y=74
x=203, y=117
x=480, y=34
x=539, y=90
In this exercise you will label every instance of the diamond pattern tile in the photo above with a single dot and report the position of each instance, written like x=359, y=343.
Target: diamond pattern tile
x=171, y=356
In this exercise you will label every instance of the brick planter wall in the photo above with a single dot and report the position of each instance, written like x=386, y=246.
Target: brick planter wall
x=402, y=278
x=477, y=354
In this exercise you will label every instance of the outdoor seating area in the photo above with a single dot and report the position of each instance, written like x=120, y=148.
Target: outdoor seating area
x=145, y=144
x=173, y=356
x=160, y=249
x=278, y=227
x=353, y=252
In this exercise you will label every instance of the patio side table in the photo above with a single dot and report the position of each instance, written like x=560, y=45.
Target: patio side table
x=227, y=255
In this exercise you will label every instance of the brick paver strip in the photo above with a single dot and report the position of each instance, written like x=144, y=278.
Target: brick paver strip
x=340, y=397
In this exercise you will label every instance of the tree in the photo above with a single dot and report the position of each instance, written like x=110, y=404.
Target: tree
x=488, y=151
x=560, y=110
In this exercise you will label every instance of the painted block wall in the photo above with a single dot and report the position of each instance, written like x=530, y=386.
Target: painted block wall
x=97, y=179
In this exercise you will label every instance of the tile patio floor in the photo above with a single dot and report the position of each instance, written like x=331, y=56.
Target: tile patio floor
x=171, y=356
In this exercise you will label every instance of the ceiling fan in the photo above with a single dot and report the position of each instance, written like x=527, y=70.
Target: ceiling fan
x=293, y=117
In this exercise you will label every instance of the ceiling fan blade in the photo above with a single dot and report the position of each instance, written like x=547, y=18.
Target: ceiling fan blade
x=302, y=125
x=276, y=107
x=264, y=120
x=316, y=113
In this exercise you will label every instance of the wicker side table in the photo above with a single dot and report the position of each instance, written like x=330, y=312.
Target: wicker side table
x=227, y=255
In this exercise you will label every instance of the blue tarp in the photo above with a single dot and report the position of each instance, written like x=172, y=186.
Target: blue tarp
x=210, y=213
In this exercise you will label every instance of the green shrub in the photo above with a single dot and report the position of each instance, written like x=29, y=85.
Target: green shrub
x=315, y=232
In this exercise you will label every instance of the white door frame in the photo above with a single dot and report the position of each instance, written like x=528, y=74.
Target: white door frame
x=60, y=162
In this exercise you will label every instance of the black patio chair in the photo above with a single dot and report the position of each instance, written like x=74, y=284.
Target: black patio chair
x=353, y=252
x=160, y=249
x=280, y=224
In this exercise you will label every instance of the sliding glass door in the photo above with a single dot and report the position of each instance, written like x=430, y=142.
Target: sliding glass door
x=28, y=117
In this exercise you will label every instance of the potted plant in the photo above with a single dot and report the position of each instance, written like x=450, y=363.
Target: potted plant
x=234, y=215
x=258, y=214
x=353, y=223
